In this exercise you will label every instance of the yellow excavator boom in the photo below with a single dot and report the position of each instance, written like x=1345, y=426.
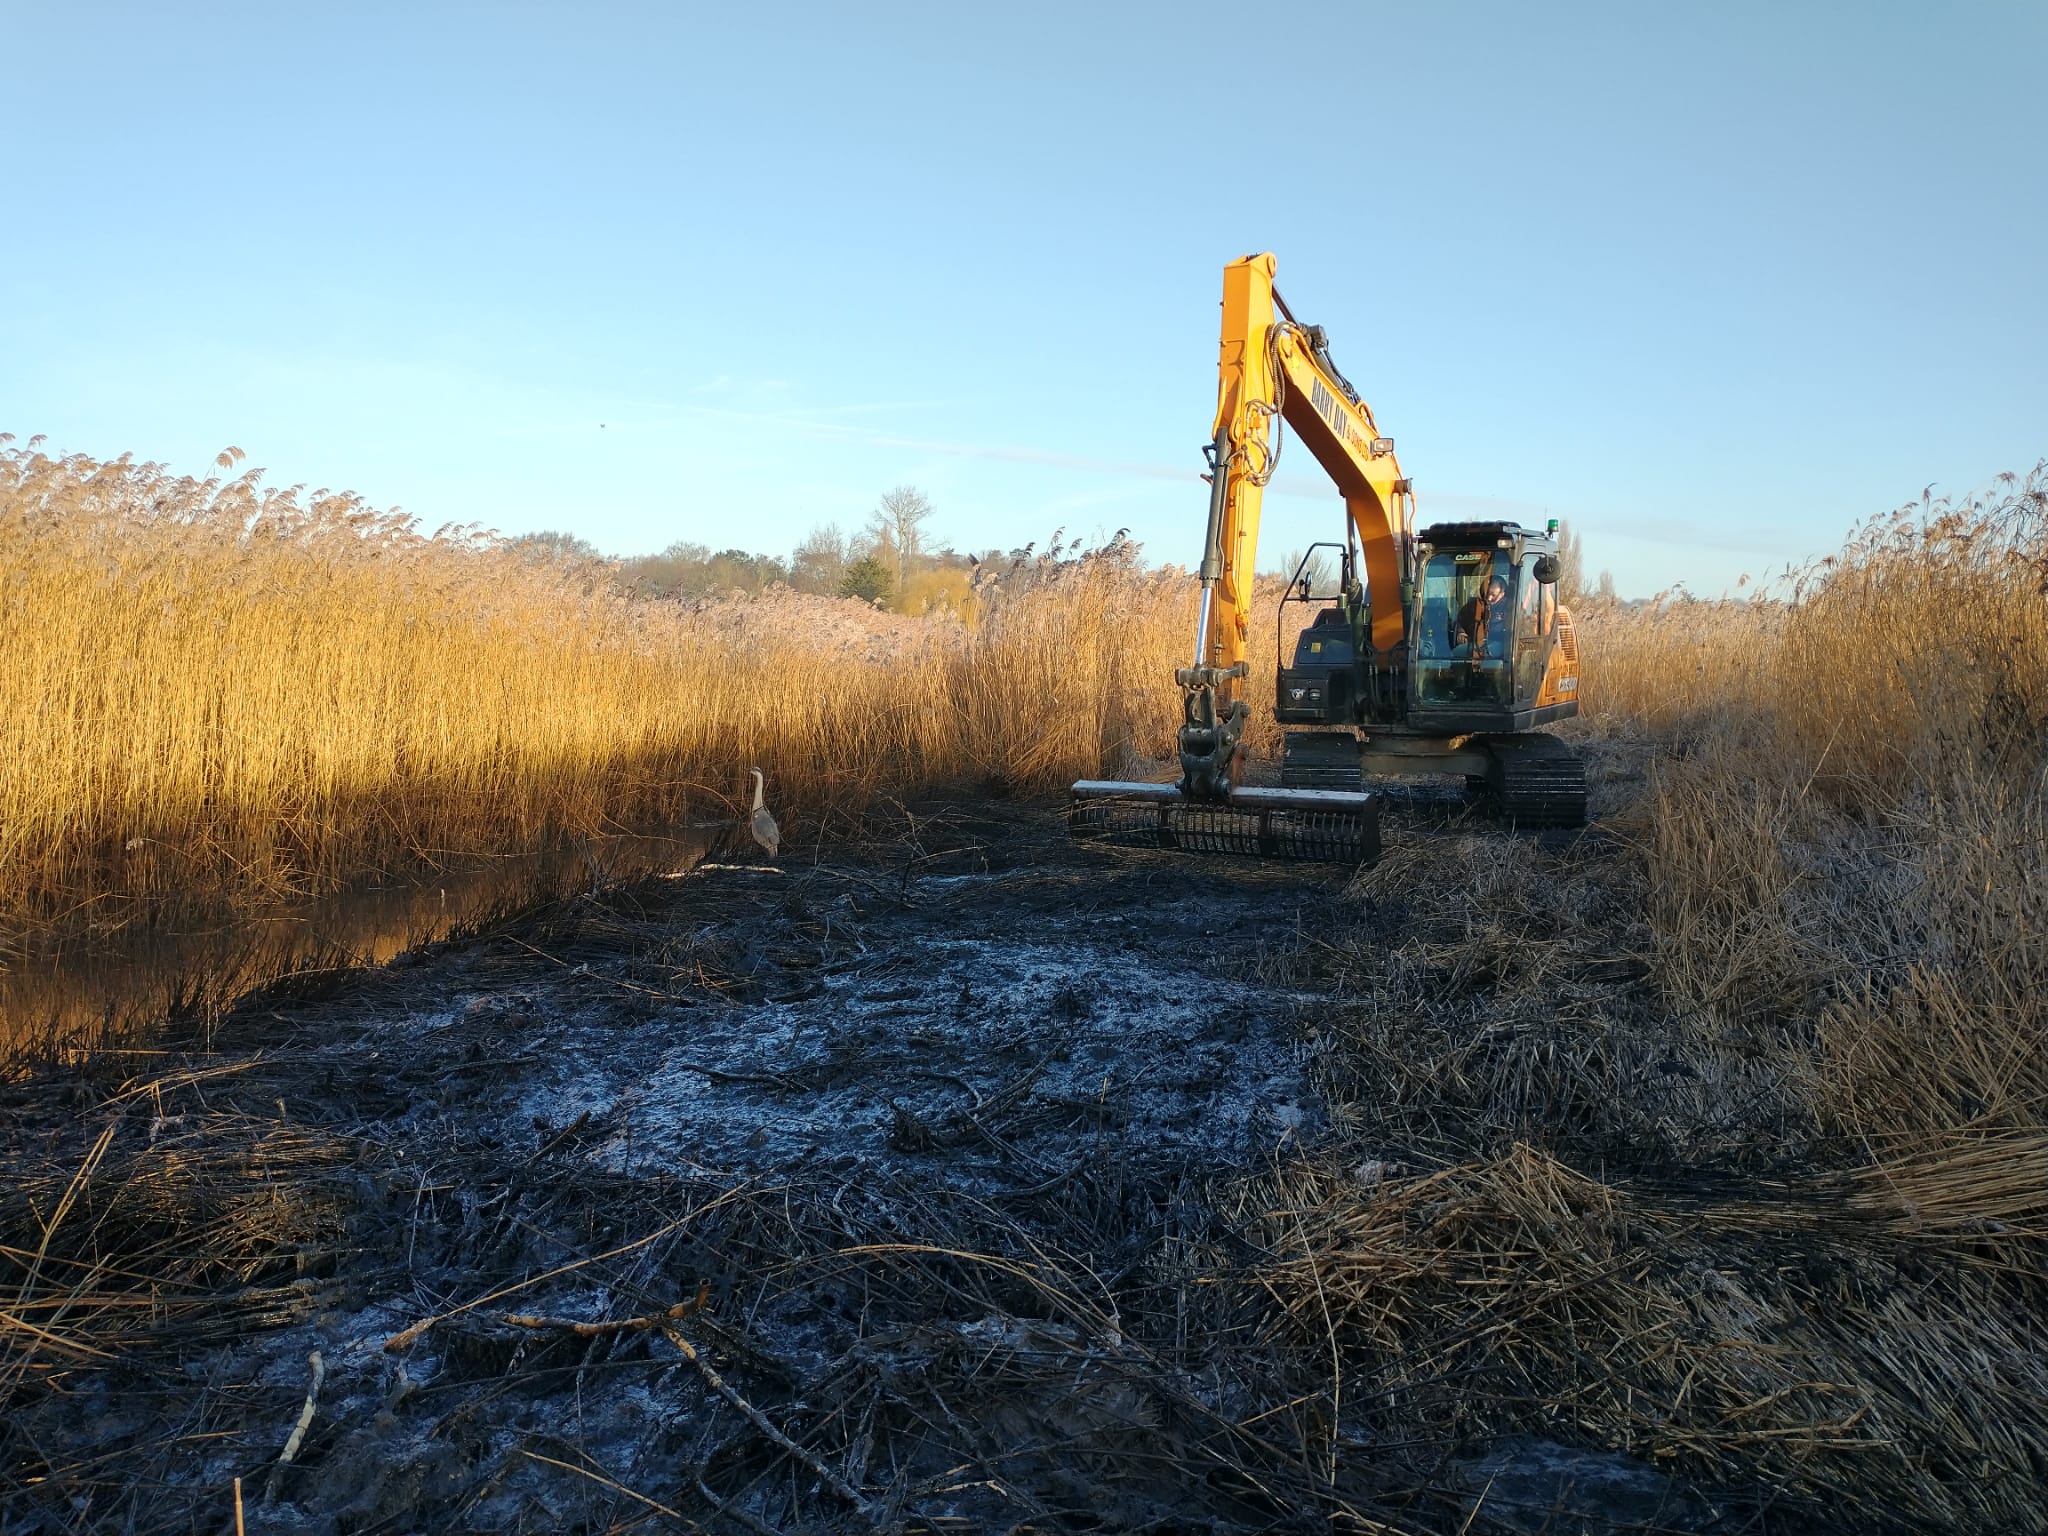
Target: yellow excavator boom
x=1272, y=369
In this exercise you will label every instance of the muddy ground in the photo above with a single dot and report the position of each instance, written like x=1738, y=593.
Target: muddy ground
x=911, y=1187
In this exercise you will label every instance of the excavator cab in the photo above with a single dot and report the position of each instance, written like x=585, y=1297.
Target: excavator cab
x=1489, y=657
x=1484, y=640
x=1467, y=630
x=1485, y=632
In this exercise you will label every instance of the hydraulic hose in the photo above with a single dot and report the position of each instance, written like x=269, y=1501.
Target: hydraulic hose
x=1212, y=545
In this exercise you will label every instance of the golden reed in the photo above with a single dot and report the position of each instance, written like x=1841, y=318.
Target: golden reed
x=214, y=696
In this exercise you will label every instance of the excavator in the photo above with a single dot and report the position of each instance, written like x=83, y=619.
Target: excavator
x=1439, y=652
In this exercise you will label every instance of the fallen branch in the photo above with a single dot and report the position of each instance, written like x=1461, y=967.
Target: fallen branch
x=575, y=1128
x=733, y=1511
x=839, y=1485
x=599, y=1330
x=406, y=1337
x=298, y=1434
x=616, y=1487
x=719, y=1075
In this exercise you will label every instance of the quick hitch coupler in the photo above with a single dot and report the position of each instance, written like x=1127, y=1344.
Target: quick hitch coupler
x=1209, y=737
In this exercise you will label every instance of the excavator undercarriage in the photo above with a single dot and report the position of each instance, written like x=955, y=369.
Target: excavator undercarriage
x=1529, y=780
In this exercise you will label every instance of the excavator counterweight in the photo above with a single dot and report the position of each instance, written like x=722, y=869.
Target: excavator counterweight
x=1439, y=654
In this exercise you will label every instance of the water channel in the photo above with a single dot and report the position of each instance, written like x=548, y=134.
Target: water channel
x=116, y=996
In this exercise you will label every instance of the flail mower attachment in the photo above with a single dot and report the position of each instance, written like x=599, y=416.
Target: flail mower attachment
x=1336, y=825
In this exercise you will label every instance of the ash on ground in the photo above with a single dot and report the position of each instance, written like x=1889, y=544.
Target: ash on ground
x=873, y=1192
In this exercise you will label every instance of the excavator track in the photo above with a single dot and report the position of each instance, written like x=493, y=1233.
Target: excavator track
x=1535, y=781
x=1320, y=760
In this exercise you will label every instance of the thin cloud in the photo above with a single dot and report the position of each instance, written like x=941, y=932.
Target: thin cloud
x=874, y=408
x=726, y=384
x=1683, y=535
x=834, y=431
x=1082, y=501
x=1431, y=503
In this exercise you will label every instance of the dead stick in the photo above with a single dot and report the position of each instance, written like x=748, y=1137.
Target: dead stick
x=54, y=1340
x=717, y=1075
x=610, y=981
x=298, y=1434
x=405, y=1338
x=725, y=1507
x=759, y=1420
x=616, y=1487
x=561, y=1136
x=585, y=1330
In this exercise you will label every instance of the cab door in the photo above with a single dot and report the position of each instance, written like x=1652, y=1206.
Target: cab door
x=1533, y=639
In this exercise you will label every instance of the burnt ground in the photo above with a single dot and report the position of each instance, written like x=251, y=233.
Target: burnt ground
x=899, y=1189
x=923, y=1121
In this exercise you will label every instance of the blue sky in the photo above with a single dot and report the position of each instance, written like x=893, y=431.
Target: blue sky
x=1713, y=281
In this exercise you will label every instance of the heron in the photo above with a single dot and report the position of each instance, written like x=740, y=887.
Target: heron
x=766, y=833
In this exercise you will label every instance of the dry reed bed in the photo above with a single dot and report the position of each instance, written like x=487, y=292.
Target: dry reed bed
x=188, y=1232
x=1721, y=1137
x=219, y=694
x=1820, y=1344
x=1558, y=1208
x=1854, y=838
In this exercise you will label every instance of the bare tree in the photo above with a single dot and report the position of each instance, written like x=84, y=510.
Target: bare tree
x=1571, y=564
x=1320, y=579
x=562, y=546
x=898, y=524
x=1603, y=589
x=819, y=563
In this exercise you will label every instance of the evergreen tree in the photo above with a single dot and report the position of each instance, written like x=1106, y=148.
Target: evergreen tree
x=867, y=578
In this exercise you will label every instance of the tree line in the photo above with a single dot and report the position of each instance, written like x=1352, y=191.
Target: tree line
x=889, y=562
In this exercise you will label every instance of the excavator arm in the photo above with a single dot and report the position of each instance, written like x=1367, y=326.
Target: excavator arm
x=1272, y=370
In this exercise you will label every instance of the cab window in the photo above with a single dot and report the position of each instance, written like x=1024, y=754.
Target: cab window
x=1454, y=605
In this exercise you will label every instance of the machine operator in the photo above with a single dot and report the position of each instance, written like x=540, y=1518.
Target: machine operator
x=1480, y=614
